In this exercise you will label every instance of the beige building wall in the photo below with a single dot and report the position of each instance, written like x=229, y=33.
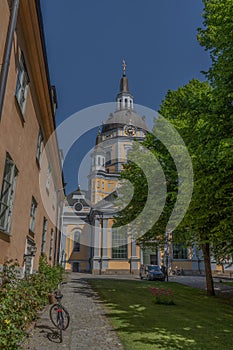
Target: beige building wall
x=19, y=137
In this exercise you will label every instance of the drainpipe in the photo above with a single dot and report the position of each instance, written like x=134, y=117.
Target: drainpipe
x=7, y=52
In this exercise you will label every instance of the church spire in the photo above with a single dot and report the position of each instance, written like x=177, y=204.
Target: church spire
x=124, y=65
x=124, y=98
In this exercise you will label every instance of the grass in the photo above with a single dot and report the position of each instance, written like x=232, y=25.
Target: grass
x=196, y=322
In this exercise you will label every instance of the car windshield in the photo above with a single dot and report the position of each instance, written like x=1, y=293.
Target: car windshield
x=154, y=268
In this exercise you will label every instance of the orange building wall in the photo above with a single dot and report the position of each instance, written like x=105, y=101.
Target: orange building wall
x=18, y=137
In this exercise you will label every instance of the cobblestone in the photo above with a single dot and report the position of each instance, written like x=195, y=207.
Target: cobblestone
x=89, y=327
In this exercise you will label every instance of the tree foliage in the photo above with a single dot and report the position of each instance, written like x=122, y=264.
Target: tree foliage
x=202, y=112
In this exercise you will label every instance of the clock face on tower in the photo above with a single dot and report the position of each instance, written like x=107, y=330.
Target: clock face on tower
x=78, y=206
x=130, y=130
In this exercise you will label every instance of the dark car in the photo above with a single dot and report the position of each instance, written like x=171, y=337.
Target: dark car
x=152, y=273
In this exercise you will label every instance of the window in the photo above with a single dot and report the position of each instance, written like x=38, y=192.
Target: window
x=108, y=157
x=48, y=179
x=76, y=242
x=54, y=198
x=22, y=84
x=98, y=184
x=7, y=194
x=39, y=146
x=179, y=252
x=33, y=215
x=102, y=185
x=44, y=233
x=51, y=244
x=119, y=246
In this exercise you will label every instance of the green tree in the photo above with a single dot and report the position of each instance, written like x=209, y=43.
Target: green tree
x=217, y=38
x=203, y=115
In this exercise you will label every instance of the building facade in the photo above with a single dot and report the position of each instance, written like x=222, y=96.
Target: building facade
x=29, y=224
x=108, y=251
x=90, y=241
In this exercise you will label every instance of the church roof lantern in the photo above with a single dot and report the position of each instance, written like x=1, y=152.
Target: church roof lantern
x=124, y=84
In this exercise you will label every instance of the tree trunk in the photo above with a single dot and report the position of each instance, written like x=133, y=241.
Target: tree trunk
x=208, y=272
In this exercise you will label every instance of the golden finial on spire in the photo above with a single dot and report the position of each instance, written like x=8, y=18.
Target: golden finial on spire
x=124, y=67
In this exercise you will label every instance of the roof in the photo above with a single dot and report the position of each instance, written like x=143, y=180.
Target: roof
x=123, y=117
x=77, y=196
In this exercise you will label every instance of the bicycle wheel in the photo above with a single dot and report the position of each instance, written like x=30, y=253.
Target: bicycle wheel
x=54, y=316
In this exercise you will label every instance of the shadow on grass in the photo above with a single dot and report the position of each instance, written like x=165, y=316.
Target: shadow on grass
x=195, y=322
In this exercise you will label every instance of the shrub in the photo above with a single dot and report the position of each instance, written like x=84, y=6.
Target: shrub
x=21, y=299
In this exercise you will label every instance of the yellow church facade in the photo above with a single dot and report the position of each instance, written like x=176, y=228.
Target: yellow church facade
x=91, y=243
x=100, y=249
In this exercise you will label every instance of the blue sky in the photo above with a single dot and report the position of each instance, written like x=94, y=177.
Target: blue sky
x=87, y=39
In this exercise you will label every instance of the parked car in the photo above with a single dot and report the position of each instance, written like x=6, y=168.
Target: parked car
x=152, y=273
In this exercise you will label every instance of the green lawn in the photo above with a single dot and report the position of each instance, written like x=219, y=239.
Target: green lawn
x=196, y=322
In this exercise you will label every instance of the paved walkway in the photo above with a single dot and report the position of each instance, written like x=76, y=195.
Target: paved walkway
x=89, y=328
x=200, y=282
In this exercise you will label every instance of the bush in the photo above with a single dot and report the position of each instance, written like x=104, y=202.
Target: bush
x=20, y=300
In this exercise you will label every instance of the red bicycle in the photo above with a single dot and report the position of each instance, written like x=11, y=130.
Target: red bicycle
x=59, y=315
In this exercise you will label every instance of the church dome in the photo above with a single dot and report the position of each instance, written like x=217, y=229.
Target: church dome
x=123, y=117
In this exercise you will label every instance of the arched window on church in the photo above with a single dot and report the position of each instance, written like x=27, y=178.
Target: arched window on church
x=77, y=241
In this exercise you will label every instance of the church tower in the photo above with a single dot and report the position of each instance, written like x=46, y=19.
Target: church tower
x=113, y=253
x=113, y=142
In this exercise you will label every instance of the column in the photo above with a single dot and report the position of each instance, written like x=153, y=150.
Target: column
x=105, y=257
x=96, y=241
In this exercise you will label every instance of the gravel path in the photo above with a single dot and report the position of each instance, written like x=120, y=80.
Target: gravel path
x=89, y=328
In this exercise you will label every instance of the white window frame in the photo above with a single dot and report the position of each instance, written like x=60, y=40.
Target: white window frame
x=7, y=194
x=22, y=84
x=76, y=242
x=33, y=215
x=119, y=246
x=44, y=234
x=39, y=146
x=48, y=178
x=51, y=244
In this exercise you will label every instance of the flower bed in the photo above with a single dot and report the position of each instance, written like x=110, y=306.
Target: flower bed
x=162, y=296
x=21, y=299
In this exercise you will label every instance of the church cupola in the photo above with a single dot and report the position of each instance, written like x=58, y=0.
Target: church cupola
x=98, y=158
x=124, y=98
